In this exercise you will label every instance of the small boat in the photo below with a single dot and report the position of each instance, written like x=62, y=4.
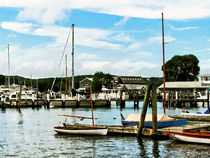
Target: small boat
x=81, y=130
x=191, y=136
x=187, y=113
x=162, y=120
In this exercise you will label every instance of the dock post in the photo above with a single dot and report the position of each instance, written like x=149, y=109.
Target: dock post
x=144, y=110
x=19, y=97
x=208, y=99
x=154, y=109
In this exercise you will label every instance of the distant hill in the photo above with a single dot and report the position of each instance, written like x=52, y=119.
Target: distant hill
x=43, y=83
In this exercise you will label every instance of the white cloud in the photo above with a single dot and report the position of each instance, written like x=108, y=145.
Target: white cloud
x=183, y=28
x=122, y=21
x=205, y=66
x=49, y=11
x=11, y=35
x=158, y=39
x=134, y=46
x=143, y=54
x=43, y=62
x=91, y=37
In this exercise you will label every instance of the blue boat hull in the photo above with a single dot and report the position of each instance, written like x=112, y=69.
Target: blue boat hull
x=160, y=124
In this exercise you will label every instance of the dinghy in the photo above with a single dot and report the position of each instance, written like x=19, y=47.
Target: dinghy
x=81, y=130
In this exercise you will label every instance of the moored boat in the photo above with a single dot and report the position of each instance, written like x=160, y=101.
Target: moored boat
x=186, y=113
x=81, y=130
x=162, y=120
x=191, y=136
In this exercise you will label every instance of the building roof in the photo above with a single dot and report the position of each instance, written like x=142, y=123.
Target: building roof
x=186, y=84
x=90, y=79
x=131, y=80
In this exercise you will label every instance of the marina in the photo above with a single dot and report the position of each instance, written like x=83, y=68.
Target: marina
x=102, y=85
x=34, y=134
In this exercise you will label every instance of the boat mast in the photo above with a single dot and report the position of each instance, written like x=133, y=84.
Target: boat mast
x=72, y=56
x=8, y=68
x=164, y=90
x=66, y=74
x=91, y=102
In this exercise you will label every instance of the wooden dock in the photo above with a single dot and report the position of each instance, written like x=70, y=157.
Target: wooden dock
x=162, y=132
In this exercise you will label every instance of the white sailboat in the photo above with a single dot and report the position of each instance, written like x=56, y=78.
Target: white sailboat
x=80, y=129
x=77, y=129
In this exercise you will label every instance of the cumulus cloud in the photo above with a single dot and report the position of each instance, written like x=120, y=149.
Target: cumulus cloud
x=183, y=28
x=158, y=39
x=50, y=11
x=90, y=37
x=122, y=21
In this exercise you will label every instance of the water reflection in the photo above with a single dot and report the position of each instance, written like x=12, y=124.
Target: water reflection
x=142, y=147
x=145, y=147
x=30, y=133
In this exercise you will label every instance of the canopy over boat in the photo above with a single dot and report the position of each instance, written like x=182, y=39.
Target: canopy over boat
x=162, y=120
x=148, y=117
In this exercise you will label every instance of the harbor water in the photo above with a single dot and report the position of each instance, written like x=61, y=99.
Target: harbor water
x=29, y=133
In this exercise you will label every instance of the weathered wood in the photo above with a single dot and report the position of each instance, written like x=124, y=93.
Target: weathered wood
x=19, y=97
x=144, y=110
x=154, y=109
x=208, y=99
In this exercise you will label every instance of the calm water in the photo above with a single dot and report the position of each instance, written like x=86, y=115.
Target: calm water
x=30, y=134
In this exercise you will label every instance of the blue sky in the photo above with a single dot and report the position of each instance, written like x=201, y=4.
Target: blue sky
x=120, y=37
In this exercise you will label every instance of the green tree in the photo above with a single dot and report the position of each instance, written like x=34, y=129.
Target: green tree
x=100, y=79
x=182, y=68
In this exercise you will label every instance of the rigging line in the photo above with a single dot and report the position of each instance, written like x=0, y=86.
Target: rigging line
x=61, y=80
x=62, y=56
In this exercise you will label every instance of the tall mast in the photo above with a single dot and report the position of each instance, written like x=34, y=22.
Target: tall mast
x=72, y=56
x=164, y=78
x=8, y=68
x=66, y=75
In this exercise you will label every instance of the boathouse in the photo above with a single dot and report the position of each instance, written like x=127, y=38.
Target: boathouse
x=205, y=79
x=134, y=86
x=189, y=91
x=84, y=84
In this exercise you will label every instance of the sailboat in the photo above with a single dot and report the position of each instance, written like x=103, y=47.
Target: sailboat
x=162, y=119
x=82, y=129
x=77, y=128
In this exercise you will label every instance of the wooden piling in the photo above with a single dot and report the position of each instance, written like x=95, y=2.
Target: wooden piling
x=154, y=110
x=144, y=110
x=19, y=97
x=208, y=99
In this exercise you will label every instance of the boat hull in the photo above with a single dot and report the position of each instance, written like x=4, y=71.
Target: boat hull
x=82, y=131
x=160, y=124
x=190, y=138
x=194, y=114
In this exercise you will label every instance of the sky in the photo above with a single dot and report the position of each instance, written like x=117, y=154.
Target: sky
x=121, y=37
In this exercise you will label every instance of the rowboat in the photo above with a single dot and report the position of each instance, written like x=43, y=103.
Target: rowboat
x=191, y=136
x=162, y=120
x=81, y=130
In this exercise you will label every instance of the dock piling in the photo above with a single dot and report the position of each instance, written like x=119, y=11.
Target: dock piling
x=154, y=110
x=144, y=110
